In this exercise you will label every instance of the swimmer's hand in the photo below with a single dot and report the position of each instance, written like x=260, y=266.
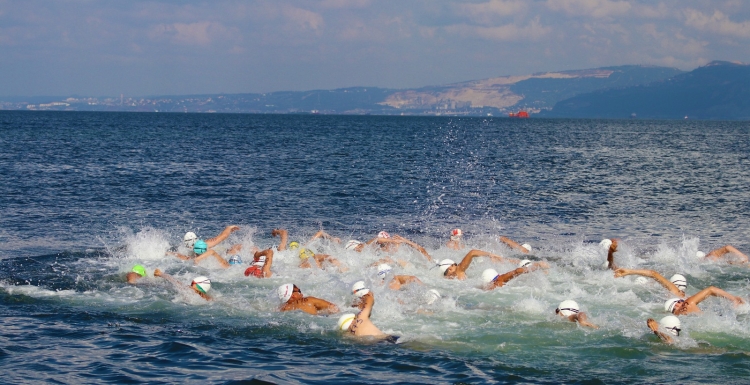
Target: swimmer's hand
x=157, y=273
x=619, y=273
x=278, y=232
x=233, y=228
x=652, y=324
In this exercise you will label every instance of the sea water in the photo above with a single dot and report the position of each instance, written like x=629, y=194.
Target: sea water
x=85, y=196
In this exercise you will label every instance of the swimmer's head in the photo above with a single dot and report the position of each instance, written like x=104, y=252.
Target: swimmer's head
x=432, y=296
x=383, y=270
x=305, y=253
x=445, y=264
x=202, y=284
x=524, y=263
x=700, y=254
x=605, y=244
x=567, y=308
x=384, y=235
x=672, y=324
x=673, y=304
x=526, y=246
x=285, y=291
x=359, y=289
x=456, y=234
x=489, y=275
x=293, y=245
x=200, y=247
x=346, y=320
x=352, y=244
x=679, y=281
x=235, y=260
x=189, y=239
x=140, y=270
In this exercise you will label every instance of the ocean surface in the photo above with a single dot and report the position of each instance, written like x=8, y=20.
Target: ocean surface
x=85, y=196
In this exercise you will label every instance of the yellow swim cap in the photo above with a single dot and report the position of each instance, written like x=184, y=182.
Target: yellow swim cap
x=293, y=245
x=305, y=253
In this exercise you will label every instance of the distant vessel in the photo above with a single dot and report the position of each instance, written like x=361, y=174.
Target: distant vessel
x=519, y=114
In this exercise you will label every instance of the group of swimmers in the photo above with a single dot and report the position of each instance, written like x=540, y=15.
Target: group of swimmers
x=360, y=325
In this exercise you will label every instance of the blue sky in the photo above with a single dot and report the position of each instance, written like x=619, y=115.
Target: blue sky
x=139, y=48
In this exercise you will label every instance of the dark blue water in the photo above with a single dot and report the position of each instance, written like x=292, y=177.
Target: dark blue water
x=87, y=195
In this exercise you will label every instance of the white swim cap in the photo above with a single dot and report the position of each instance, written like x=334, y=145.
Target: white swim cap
x=526, y=246
x=700, y=254
x=679, y=281
x=189, y=239
x=351, y=245
x=202, y=283
x=605, y=243
x=346, y=320
x=568, y=307
x=672, y=324
x=285, y=291
x=261, y=261
x=359, y=289
x=384, y=234
x=489, y=275
x=641, y=280
x=669, y=304
x=383, y=269
x=524, y=263
x=445, y=264
x=456, y=234
x=432, y=296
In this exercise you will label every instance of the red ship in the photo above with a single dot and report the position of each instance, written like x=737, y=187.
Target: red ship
x=519, y=114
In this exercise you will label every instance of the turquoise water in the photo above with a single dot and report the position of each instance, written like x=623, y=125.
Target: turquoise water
x=88, y=195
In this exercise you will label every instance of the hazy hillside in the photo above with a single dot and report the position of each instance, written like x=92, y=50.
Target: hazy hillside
x=719, y=90
x=535, y=93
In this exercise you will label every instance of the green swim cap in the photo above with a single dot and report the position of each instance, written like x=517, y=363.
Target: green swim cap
x=140, y=270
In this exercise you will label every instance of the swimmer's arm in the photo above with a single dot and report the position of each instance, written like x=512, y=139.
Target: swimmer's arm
x=415, y=246
x=178, y=255
x=371, y=241
x=653, y=275
x=158, y=273
x=324, y=235
x=654, y=326
x=401, y=280
x=718, y=253
x=611, y=255
x=368, y=301
x=713, y=291
x=323, y=305
x=469, y=256
x=513, y=244
x=211, y=242
x=269, y=261
x=582, y=319
x=284, y=236
x=212, y=253
x=505, y=278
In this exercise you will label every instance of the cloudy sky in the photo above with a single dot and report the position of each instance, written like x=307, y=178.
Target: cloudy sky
x=139, y=48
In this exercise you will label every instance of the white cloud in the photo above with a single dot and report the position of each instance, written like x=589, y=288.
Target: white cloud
x=304, y=19
x=488, y=12
x=200, y=33
x=592, y=8
x=718, y=23
x=510, y=32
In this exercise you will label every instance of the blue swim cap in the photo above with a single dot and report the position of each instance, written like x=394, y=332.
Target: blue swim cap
x=235, y=260
x=200, y=247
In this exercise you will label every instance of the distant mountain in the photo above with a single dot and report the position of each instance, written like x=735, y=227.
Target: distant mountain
x=719, y=90
x=534, y=93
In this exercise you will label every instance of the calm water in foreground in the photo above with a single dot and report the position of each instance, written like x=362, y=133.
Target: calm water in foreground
x=85, y=196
